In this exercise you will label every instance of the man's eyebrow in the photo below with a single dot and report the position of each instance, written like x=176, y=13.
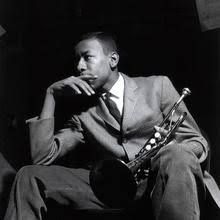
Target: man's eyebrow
x=85, y=52
x=82, y=53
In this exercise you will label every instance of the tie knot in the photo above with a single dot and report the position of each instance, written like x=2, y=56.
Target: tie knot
x=108, y=95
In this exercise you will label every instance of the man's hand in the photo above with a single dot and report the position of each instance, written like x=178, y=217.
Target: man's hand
x=163, y=132
x=79, y=85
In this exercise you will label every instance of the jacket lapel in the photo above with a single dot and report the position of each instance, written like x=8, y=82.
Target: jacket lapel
x=130, y=99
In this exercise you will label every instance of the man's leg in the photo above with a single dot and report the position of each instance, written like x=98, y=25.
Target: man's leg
x=7, y=174
x=179, y=186
x=36, y=184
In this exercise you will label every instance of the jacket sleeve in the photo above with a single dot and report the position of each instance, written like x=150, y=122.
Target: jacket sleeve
x=46, y=146
x=188, y=134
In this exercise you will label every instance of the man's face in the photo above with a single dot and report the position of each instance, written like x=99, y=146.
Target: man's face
x=91, y=60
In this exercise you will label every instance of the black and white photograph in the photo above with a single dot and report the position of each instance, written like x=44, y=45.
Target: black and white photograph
x=110, y=110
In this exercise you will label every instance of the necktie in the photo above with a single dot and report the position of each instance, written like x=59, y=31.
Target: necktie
x=112, y=107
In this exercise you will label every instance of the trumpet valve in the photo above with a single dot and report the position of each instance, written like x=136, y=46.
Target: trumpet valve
x=153, y=142
x=148, y=147
x=157, y=136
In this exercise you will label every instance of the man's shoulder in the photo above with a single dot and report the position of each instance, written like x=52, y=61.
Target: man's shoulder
x=151, y=79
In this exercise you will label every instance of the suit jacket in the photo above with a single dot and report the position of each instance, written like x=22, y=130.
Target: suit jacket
x=146, y=101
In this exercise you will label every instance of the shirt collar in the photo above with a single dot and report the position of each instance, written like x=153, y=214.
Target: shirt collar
x=117, y=89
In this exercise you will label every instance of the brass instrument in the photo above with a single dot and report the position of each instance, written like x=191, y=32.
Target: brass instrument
x=114, y=182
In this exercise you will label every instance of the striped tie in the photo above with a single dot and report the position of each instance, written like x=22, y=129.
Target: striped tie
x=113, y=109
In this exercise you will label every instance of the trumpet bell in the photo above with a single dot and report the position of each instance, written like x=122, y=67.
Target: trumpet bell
x=113, y=183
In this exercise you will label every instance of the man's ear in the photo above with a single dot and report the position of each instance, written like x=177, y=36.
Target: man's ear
x=114, y=59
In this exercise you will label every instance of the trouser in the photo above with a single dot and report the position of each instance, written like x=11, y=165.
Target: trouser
x=179, y=189
x=174, y=195
x=7, y=174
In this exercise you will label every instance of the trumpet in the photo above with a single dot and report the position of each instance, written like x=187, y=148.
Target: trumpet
x=115, y=182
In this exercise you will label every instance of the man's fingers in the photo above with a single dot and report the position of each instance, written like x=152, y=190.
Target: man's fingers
x=88, y=77
x=80, y=85
x=161, y=130
x=75, y=88
x=86, y=88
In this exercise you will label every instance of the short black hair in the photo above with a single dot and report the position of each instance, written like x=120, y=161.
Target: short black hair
x=108, y=40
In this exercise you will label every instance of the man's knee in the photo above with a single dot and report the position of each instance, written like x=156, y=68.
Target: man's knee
x=176, y=158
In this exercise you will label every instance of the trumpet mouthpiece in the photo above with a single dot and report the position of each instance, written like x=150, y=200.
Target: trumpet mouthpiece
x=186, y=91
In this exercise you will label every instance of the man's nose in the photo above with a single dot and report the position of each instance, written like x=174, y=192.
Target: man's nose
x=81, y=65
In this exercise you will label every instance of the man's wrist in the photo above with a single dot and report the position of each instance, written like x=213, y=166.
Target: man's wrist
x=49, y=91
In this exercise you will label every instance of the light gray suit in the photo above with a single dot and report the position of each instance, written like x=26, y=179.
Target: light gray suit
x=146, y=101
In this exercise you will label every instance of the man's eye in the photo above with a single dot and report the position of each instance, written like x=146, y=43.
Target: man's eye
x=88, y=57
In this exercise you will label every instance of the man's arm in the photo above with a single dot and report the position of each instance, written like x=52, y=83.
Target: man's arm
x=188, y=134
x=45, y=146
x=79, y=86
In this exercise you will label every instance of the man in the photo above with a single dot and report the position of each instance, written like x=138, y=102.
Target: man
x=142, y=103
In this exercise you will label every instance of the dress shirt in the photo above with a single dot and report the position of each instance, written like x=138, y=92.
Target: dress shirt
x=117, y=93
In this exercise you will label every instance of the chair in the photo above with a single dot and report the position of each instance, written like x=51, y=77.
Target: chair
x=210, y=210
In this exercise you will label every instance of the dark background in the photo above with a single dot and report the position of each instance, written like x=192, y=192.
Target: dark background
x=155, y=37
